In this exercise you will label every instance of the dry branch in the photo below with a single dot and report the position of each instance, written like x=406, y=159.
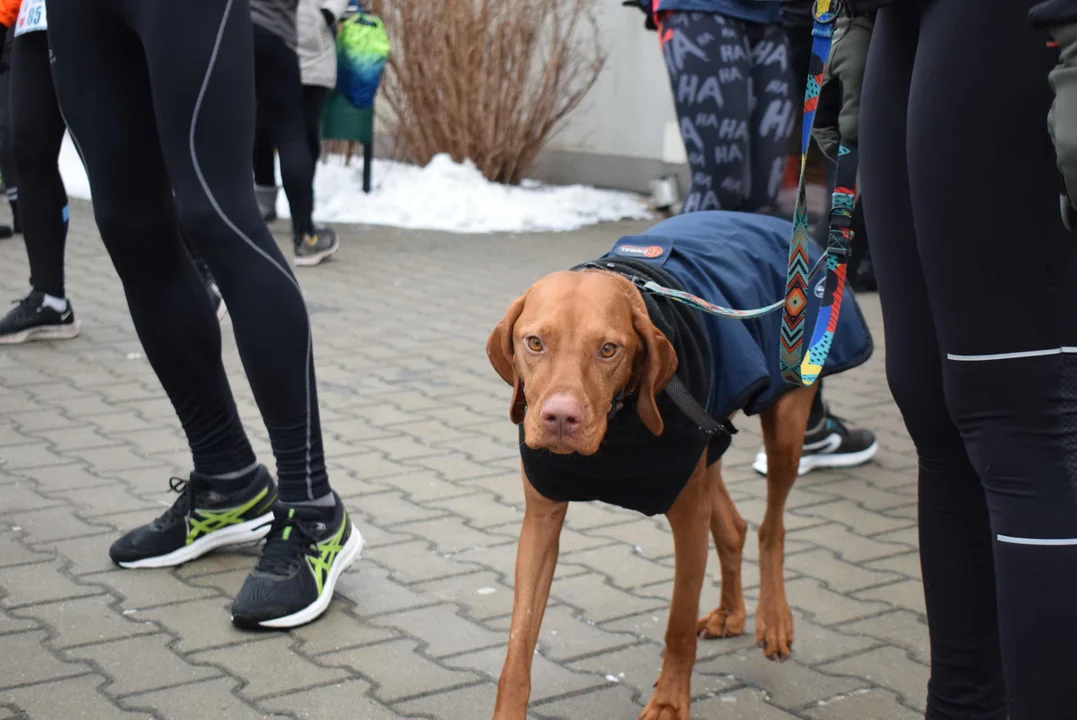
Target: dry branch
x=487, y=80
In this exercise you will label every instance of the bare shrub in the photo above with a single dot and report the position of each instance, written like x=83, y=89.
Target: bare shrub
x=489, y=80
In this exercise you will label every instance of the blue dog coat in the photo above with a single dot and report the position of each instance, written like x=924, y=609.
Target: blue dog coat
x=737, y=260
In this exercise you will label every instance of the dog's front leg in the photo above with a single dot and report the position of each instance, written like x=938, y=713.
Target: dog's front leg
x=536, y=560
x=783, y=439
x=689, y=519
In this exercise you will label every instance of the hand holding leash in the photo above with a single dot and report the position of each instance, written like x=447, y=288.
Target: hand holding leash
x=836, y=117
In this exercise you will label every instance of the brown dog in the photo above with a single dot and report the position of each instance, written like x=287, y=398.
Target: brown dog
x=570, y=347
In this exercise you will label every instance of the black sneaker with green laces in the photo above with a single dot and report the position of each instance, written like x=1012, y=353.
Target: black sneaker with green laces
x=208, y=514
x=305, y=554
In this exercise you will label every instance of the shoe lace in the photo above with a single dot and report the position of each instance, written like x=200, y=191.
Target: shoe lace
x=182, y=507
x=24, y=307
x=289, y=541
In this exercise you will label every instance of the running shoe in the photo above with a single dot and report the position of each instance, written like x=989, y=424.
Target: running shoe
x=312, y=249
x=208, y=514
x=31, y=319
x=305, y=554
x=831, y=444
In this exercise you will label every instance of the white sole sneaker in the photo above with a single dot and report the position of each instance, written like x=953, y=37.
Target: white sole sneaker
x=811, y=462
x=315, y=259
x=44, y=332
x=348, y=555
x=245, y=533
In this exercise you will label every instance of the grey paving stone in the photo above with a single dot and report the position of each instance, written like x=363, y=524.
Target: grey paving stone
x=374, y=593
x=141, y=663
x=21, y=495
x=624, y=567
x=85, y=620
x=269, y=667
x=890, y=668
x=907, y=594
x=481, y=593
x=77, y=698
x=613, y=701
x=147, y=588
x=204, y=699
x=443, y=630
x=845, y=577
x=399, y=670
x=475, y=701
x=899, y=628
x=863, y=704
x=11, y=624
x=12, y=552
x=392, y=508
x=789, y=684
x=340, y=701
x=55, y=523
x=197, y=624
x=26, y=660
x=417, y=562
x=744, y=704
x=40, y=583
x=337, y=630
x=598, y=600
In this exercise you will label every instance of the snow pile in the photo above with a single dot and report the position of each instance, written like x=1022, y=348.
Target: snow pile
x=444, y=195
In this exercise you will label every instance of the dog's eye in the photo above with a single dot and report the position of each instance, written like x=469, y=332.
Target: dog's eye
x=533, y=344
x=607, y=351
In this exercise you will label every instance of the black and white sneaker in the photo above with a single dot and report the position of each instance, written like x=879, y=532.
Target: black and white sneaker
x=208, y=514
x=312, y=249
x=831, y=444
x=32, y=319
x=305, y=554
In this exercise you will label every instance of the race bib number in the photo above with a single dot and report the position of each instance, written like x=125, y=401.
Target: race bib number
x=31, y=17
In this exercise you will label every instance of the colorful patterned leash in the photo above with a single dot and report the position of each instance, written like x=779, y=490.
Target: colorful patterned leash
x=798, y=369
x=695, y=301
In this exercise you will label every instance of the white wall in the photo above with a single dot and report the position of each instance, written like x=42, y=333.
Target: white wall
x=629, y=112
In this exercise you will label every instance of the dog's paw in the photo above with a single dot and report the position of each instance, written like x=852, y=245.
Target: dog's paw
x=657, y=710
x=774, y=631
x=720, y=623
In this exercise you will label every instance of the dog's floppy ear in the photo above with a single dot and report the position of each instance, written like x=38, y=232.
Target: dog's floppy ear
x=499, y=350
x=657, y=366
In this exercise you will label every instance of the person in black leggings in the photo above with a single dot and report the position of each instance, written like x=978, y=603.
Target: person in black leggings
x=279, y=91
x=174, y=140
x=37, y=132
x=976, y=275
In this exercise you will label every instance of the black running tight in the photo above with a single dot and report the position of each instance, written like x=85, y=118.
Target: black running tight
x=159, y=96
x=976, y=276
x=37, y=130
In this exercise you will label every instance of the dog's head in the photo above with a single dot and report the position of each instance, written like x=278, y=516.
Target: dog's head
x=569, y=346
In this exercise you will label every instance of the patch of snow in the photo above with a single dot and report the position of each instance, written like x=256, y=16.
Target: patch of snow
x=444, y=195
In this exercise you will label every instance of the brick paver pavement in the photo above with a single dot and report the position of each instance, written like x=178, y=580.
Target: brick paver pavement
x=420, y=447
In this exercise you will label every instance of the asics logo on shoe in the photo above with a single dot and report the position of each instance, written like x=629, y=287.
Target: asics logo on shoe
x=202, y=522
x=327, y=553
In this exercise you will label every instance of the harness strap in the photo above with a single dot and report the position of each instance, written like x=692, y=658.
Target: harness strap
x=692, y=410
x=798, y=369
